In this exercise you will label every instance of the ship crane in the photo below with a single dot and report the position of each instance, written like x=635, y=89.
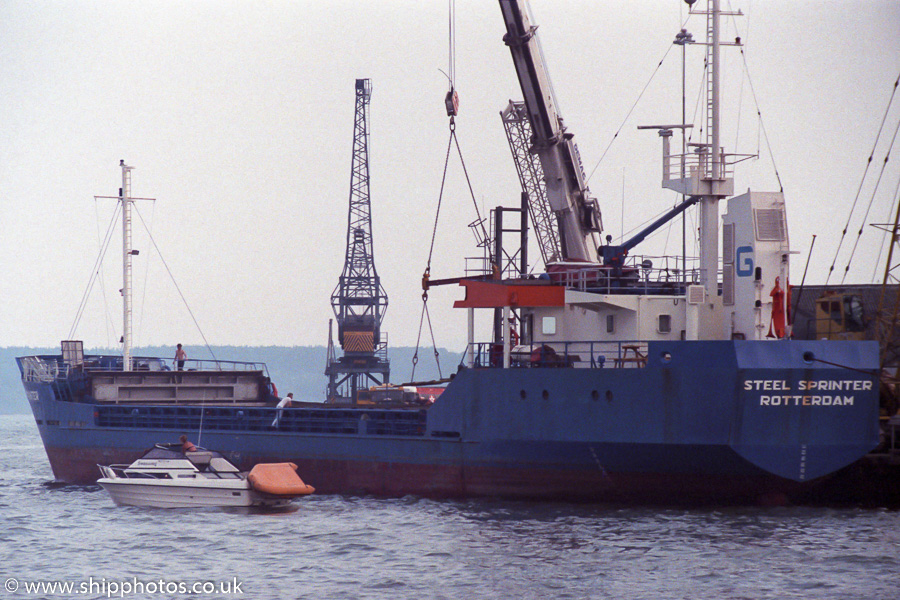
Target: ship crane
x=531, y=177
x=566, y=191
x=359, y=301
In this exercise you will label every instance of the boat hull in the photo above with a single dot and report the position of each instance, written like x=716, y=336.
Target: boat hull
x=701, y=422
x=143, y=492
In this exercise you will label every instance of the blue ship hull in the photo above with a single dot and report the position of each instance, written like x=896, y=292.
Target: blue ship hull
x=716, y=421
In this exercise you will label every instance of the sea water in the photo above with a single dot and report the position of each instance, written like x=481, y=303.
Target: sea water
x=61, y=541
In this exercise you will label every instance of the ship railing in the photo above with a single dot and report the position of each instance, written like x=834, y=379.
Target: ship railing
x=222, y=365
x=642, y=274
x=698, y=164
x=35, y=368
x=582, y=355
x=146, y=363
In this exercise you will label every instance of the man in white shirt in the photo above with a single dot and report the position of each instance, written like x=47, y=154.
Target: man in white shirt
x=286, y=402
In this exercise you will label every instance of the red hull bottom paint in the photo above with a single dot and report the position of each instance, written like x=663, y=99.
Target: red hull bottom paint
x=446, y=481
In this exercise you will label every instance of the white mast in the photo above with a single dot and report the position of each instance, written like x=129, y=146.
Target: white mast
x=127, y=201
x=709, y=204
x=703, y=172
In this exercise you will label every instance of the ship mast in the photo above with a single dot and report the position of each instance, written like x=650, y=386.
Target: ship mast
x=127, y=252
x=709, y=203
x=703, y=173
x=127, y=201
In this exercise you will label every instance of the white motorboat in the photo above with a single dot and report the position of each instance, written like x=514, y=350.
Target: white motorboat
x=167, y=477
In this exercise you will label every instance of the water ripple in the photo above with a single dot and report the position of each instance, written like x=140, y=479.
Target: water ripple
x=362, y=547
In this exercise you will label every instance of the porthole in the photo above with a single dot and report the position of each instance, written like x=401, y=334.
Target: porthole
x=545, y=395
x=522, y=394
x=595, y=395
x=609, y=396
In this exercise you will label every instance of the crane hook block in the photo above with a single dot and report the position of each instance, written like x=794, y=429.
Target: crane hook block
x=451, y=102
x=425, y=277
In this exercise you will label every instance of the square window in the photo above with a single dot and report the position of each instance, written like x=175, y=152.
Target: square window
x=665, y=324
x=548, y=325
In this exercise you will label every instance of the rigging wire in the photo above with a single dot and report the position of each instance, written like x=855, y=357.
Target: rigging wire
x=107, y=321
x=146, y=279
x=762, y=124
x=884, y=233
x=630, y=110
x=862, y=181
x=737, y=132
x=95, y=273
x=175, y=283
x=887, y=157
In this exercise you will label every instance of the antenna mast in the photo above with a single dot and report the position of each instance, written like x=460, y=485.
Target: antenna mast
x=126, y=200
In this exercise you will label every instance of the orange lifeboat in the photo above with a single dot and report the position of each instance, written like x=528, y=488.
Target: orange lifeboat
x=278, y=479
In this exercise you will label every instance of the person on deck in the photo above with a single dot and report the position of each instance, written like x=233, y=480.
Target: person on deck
x=186, y=446
x=286, y=402
x=180, y=357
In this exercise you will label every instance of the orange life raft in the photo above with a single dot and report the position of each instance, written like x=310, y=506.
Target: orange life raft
x=278, y=479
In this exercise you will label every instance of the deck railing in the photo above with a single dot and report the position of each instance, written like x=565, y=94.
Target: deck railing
x=50, y=368
x=585, y=355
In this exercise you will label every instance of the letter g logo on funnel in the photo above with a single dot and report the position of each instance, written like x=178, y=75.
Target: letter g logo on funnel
x=743, y=258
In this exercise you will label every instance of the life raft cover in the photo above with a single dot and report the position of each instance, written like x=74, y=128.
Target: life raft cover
x=278, y=479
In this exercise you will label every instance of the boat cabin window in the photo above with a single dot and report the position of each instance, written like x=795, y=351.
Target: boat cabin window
x=548, y=325
x=200, y=458
x=220, y=465
x=664, y=324
x=610, y=323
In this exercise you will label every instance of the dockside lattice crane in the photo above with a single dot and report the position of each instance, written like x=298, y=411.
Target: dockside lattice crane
x=359, y=302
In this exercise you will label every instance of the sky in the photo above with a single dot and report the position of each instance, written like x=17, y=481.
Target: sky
x=238, y=117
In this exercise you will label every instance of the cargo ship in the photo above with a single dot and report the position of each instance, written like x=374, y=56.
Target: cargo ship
x=604, y=379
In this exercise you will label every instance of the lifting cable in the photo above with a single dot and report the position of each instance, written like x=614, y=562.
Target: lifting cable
x=451, y=102
x=861, y=182
x=427, y=274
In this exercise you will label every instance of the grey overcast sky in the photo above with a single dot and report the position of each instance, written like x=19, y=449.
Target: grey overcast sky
x=238, y=118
